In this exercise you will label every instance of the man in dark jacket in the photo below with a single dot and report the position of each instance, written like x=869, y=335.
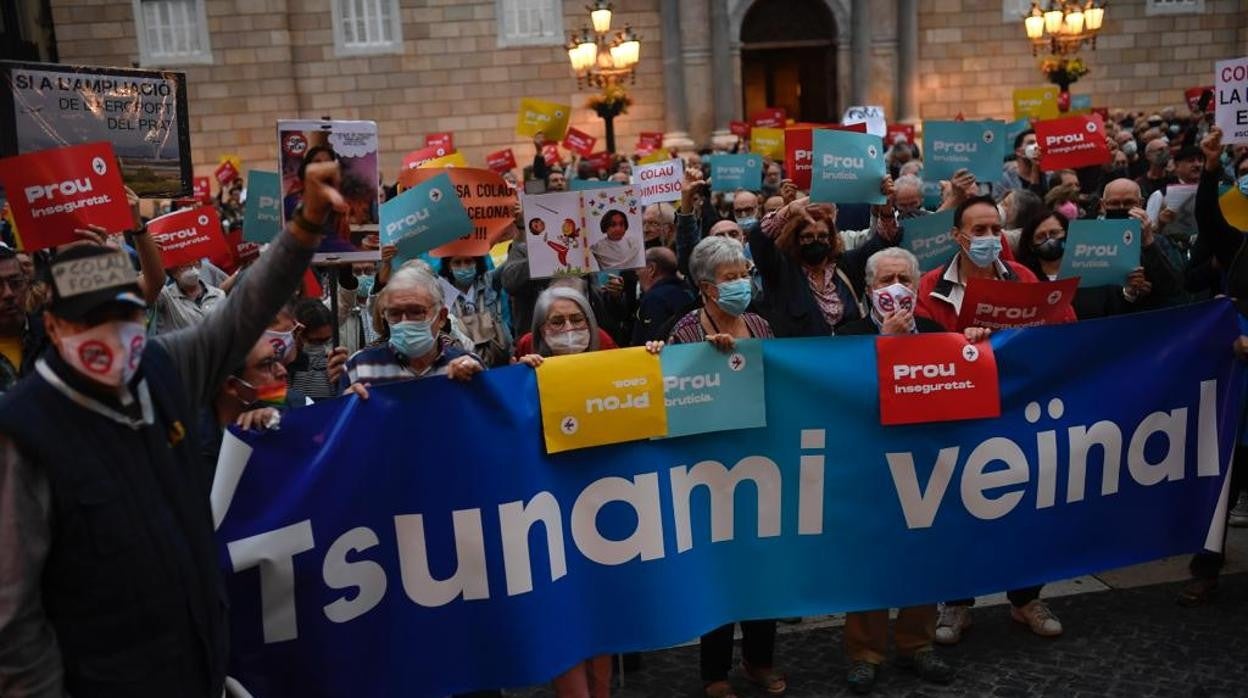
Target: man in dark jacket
x=108, y=569
x=664, y=297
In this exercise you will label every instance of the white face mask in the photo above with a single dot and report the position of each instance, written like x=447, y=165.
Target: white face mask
x=109, y=353
x=1031, y=151
x=188, y=277
x=283, y=344
x=571, y=342
x=891, y=299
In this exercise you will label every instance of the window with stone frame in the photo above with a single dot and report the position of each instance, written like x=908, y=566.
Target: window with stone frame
x=367, y=27
x=529, y=22
x=1173, y=7
x=172, y=32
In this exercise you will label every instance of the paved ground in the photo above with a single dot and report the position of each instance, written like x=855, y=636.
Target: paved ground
x=1125, y=636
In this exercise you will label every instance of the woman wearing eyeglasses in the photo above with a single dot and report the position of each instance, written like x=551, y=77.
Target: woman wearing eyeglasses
x=811, y=284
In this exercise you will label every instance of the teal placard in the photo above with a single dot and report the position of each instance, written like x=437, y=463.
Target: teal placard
x=930, y=238
x=1012, y=130
x=1081, y=102
x=708, y=390
x=587, y=184
x=733, y=172
x=424, y=217
x=949, y=146
x=262, y=214
x=1101, y=253
x=847, y=168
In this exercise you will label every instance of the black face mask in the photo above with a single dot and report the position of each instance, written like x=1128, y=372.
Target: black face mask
x=1051, y=249
x=654, y=242
x=813, y=253
x=1116, y=174
x=1113, y=214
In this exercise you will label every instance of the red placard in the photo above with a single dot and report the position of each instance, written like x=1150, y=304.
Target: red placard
x=935, y=378
x=799, y=155
x=598, y=161
x=440, y=140
x=579, y=142
x=999, y=304
x=653, y=138
x=188, y=235
x=416, y=158
x=1102, y=111
x=1072, y=142
x=54, y=192
x=644, y=148
x=1193, y=94
x=225, y=173
x=550, y=153
x=501, y=161
x=201, y=190
x=906, y=131
x=739, y=128
x=771, y=117
x=241, y=250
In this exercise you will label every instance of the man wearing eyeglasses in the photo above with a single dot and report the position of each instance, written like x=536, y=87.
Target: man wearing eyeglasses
x=416, y=346
x=109, y=579
x=18, y=347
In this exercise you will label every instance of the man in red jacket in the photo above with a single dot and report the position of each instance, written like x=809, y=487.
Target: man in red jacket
x=977, y=230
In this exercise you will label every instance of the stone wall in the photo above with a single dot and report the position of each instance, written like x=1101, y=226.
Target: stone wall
x=970, y=59
x=276, y=59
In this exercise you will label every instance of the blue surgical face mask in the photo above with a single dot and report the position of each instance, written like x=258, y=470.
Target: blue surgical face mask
x=734, y=296
x=1243, y=185
x=464, y=275
x=365, y=286
x=412, y=338
x=984, y=250
x=746, y=222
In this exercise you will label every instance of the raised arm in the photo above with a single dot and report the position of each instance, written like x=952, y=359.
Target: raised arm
x=205, y=354
x=1213, y=230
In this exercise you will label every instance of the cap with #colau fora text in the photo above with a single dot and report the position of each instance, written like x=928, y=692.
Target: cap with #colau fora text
x=86, y=277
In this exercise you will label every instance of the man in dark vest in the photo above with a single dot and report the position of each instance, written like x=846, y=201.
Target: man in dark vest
x=108, y=570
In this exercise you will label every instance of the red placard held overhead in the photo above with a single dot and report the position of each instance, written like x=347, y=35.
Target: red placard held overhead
x=440, y=140
x=1002, y=304
x=416, y=158
x=550, y=153
x=906, y=131
x=579, y=142
x=1193, y=94
x=739, y=128
x=501, y=161
x=54, y=192
x=1072, y=142
x=798, y=155
x=652, y=138
x=771, y=117
x=225, y=173
x=201, y=190
x=188, y=235
x=936, y=378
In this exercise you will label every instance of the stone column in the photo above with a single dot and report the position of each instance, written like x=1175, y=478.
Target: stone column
x=908, y=61
x=860, y=47
x=695, y=52
x=675, y=112
x=722, y=73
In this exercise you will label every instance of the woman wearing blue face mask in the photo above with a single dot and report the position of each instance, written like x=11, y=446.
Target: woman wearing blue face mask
x=720, y=271
x=472, y=296
x=413, y=313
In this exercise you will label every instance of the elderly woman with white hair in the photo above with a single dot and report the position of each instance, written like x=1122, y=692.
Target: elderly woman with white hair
x=413, y=312
x=720, y=271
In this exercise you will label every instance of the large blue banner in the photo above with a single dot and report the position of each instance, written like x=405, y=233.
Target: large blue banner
x=422, y=543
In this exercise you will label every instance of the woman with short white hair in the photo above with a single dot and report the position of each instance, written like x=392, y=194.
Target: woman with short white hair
x=720, y=271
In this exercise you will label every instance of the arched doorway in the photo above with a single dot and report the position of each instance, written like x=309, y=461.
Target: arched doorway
x=788, y=59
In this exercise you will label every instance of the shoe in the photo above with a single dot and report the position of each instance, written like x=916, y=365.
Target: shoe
x=1239, y=513
x=927, y=666
x=861, y=677
x=951, y=624
x=1198, y=592
x=1037, y=616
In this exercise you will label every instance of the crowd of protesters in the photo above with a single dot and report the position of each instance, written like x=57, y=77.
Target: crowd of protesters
x=98, y=599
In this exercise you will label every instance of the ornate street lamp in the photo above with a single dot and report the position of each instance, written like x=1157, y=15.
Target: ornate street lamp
x=604, y=61
x=1062, y=30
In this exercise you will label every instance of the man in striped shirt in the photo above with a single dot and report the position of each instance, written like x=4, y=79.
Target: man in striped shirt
x=415, y=313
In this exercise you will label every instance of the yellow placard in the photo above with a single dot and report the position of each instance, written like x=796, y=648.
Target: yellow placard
x=601, y=398
x=659, y=155
x=454, y=159
x=1036, y=103
x=1235, y=208
x=768, y=142
x=539, y=116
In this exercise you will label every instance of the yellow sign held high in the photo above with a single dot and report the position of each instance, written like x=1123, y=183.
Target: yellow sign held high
x=1036, y=103
x=539, y=116
x=454, y=159
x=768, y=142
x=601, y=398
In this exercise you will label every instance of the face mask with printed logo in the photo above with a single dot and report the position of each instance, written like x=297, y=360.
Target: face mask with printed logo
x=108, y=353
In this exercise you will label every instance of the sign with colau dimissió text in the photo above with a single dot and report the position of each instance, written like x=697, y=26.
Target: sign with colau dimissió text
x=659, y=182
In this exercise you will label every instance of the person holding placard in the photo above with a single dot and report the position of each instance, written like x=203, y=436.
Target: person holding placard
x=116, y=589
x=811, y=284
x=186, y=300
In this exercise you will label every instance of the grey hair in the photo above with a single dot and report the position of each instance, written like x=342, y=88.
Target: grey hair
x=913, y=167
x=712, y=253
x=542, y=310
x=413, y=277
x=898, y=253
x=908, y=181
x=667, y=212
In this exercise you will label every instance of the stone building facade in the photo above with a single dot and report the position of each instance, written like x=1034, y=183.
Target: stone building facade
x=463, y=65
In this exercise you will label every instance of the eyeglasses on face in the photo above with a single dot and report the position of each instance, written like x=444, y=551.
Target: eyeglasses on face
x=575, y=321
